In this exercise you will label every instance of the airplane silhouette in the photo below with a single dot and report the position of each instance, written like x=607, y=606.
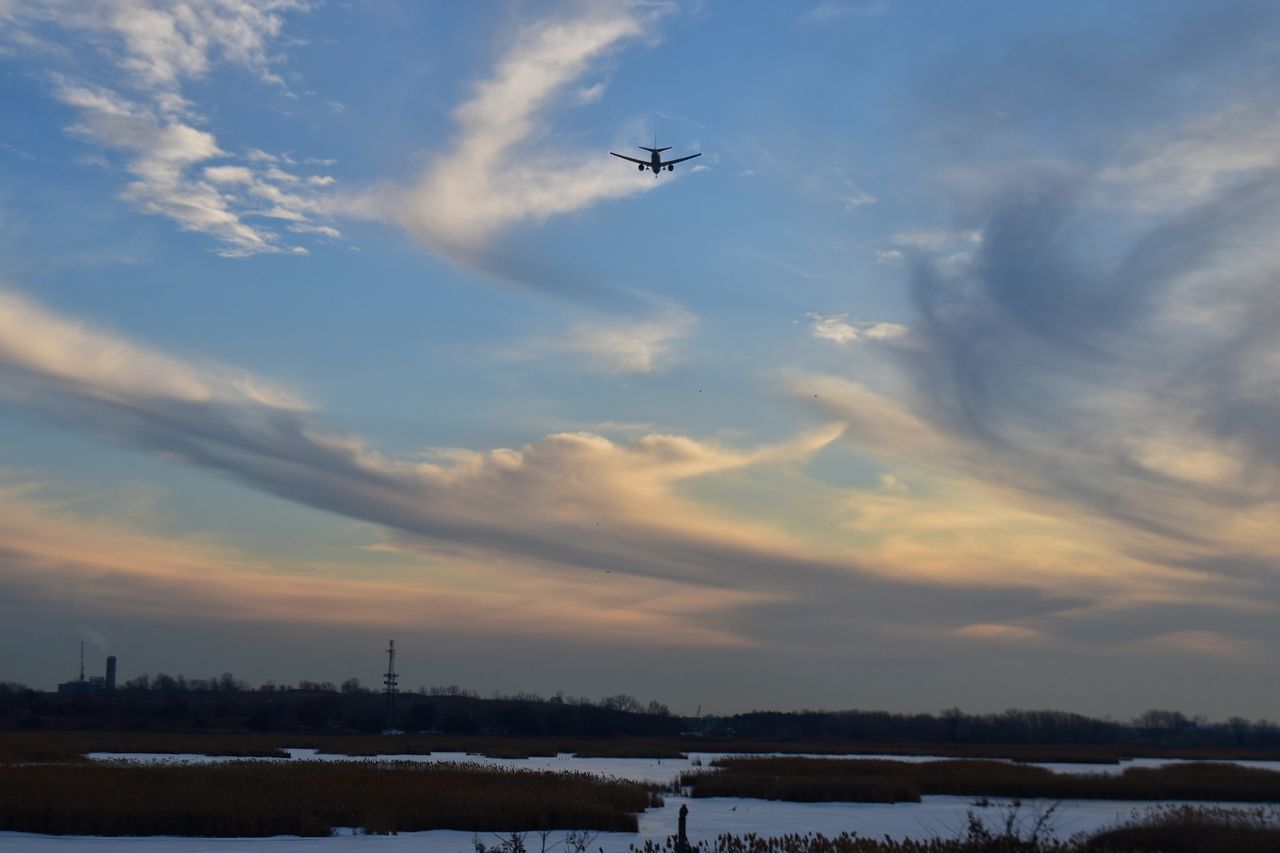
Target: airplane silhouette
x=655, y=161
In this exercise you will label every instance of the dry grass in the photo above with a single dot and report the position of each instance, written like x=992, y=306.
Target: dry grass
x=1191, y=829
x=881, y=781
x=851, y=843
x=244, y=798
x=63, y=746
x=1171, y=829
x=68, y=746
x=45, y=747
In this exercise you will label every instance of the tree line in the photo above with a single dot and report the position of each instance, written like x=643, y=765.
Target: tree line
x=226, y=702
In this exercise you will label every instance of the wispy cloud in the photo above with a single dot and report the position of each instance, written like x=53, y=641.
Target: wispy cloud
x=1187, y=164
x=42, y=351
x=839, y=329
x=1114, y=404
x=628, y=345
x=830, y=11
x=574, y=500
x=160, y=45
x=178, y=169
x=504, y=169
x=49, y=551
x=935, y=239
x=553, y=513
x=164, y=156
x=955, y=512
x=550, y=518
x=497, y=173
x=856, y=198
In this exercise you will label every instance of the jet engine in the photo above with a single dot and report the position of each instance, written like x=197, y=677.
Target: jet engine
x=671, y=167
x=640, y=167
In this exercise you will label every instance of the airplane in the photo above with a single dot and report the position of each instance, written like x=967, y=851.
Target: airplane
x=655, y=161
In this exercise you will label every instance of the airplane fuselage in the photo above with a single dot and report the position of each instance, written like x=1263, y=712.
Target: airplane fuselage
x=655, y=163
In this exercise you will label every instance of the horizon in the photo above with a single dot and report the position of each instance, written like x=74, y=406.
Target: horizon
x=644, y=704
x=947, y=376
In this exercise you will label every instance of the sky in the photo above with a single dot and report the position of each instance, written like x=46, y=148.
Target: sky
x=947, y=376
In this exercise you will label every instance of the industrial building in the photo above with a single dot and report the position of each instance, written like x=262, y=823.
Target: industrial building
x=94, y=683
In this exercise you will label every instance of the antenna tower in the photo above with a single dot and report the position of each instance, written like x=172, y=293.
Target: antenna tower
x=389, y=679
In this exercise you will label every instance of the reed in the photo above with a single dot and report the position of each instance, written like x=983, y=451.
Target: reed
x=65, y=746
x=882, y=781
x=1169, y=829
x=243, y=798
x=20, y=747
x=853, y=843
x=1193, y=829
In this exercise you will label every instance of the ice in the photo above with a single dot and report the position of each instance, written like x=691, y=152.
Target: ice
x=935, y=816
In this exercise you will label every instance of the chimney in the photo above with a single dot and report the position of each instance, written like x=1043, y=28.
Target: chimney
x=111, y=672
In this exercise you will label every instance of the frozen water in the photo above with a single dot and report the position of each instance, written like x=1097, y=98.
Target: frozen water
x=935, y=816
x=941, y=817
x=659, y=770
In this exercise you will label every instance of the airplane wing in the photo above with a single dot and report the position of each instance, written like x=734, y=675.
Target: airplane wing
x=632, y=159
x=681, y=159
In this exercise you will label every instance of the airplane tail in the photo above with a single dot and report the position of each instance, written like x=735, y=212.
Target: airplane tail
x=655, y=149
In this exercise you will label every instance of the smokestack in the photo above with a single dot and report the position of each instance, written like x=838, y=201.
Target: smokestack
x=111, y=672
x=82, y=660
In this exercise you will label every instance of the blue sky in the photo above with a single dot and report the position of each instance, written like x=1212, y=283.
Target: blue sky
x=951, y=365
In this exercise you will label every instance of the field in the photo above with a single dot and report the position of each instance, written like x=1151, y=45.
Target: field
x=310, y=798
x=879, y=781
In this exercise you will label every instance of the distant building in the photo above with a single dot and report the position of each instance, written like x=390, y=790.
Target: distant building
x=74, y=687
x=92, y=684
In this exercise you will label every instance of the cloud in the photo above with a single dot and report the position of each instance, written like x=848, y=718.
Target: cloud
x=229, y=174
x=953, y=511
x=165, y=153
x=1088, y=397
x=856, y=199
x=503, y=169
x=573, y=499
x=560, y=513
x=1176, y=167
x=629, y=345
x=49, y=552
x=1000, y=633
x=934, y=240
x=1207, y=644
x=1150, y=367
x=166, y=156
x=41, y=350
x=496, y=174
x=838, y=329
x=160, y=45
x=174, y=163
x=829, y=11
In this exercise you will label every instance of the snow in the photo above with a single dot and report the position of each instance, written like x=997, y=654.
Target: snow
x=658, y=770
x=940, y=817
x=935, y=816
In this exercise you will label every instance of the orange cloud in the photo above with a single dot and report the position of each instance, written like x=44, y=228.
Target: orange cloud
x=49, y=552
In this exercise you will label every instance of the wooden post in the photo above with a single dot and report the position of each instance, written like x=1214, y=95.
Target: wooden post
x=682, y=840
